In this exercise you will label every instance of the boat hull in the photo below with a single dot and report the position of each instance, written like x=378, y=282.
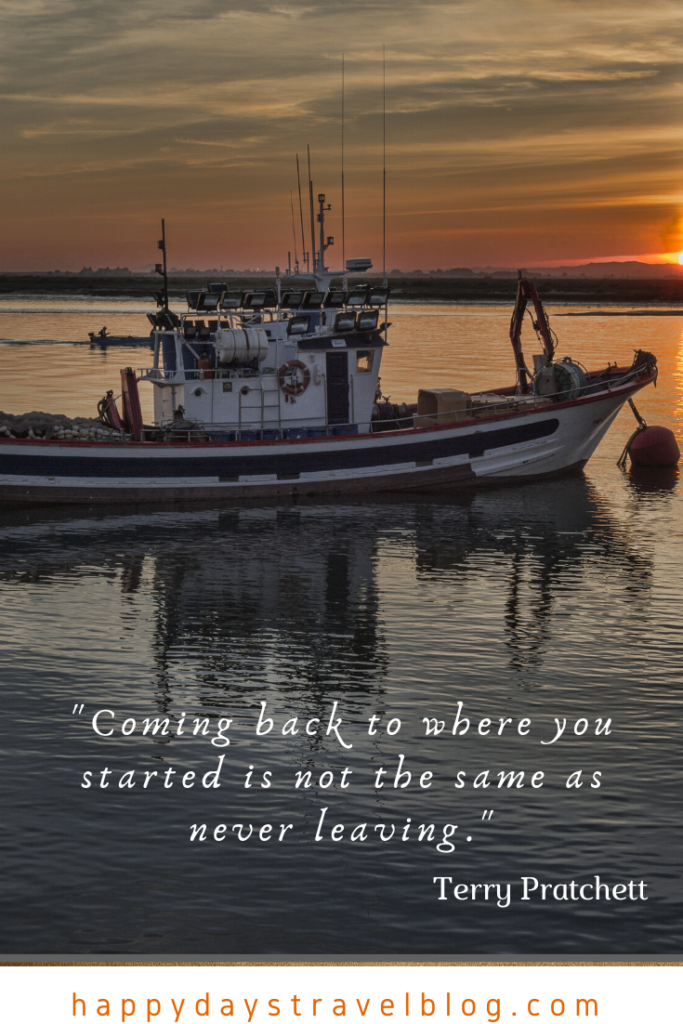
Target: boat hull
x=523, y=445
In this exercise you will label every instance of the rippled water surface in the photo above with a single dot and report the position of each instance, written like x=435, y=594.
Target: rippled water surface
x=552, y=600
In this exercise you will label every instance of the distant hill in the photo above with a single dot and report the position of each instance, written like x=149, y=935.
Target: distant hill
x=616, y=269
x=619, y=270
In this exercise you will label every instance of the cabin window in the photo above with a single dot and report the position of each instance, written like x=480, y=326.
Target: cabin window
x=364, y=360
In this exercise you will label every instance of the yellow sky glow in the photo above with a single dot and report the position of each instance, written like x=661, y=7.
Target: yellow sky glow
x=545, y=131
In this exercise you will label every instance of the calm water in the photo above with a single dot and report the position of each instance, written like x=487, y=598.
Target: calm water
x=556, y=600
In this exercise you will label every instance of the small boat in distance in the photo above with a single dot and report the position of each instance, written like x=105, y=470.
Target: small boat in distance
x=102, y=340
x=274, y=394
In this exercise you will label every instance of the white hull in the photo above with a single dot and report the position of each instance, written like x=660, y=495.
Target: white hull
x=517, y=446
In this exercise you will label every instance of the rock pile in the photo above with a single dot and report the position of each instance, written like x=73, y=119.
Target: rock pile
x=59, y=428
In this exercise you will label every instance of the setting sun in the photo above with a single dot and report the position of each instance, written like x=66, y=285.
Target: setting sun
x=680, y=258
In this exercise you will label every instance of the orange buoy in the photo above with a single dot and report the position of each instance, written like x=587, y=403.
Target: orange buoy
x=650, y=446
x=654, y=446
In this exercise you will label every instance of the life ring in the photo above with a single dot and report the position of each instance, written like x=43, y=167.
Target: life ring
x=289, y=382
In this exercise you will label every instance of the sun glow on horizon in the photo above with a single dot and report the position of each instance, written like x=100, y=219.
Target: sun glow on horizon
x=680, y=258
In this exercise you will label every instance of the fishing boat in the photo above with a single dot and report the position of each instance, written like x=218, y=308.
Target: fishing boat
x=274, y=394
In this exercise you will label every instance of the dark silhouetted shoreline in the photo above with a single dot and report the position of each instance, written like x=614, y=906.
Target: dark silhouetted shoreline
x=668, y=290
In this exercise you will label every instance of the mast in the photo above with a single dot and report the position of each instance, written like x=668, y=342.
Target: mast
x=325, y=243
x=342, y=179
x=310, y=196
x=296, y=258
x=384, y=166
x=321, y=218
x=161, y=268
x=301, y=213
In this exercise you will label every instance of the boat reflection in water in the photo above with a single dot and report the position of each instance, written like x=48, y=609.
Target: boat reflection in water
x=290, y=593
x=527, y=602
x=653, y=479
x=541, y=538
x=297, y=589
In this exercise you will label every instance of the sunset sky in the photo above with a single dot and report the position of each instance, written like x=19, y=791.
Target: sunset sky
x=518, y=131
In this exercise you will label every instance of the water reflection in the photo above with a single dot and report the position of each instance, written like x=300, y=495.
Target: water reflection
x=531, y=601
x=292, y=595
x=653, y=479
x=677, y=389
x=285, y=591
x=547, y=536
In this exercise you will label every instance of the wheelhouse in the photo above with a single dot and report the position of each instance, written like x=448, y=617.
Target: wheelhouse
x=268, y=365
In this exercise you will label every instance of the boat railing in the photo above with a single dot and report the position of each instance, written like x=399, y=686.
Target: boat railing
x=174, y=376
x=181, y=376
x=510, y=402
x=198, y=430
x=265, y=428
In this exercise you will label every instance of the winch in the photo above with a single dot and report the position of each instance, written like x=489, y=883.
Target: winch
x=565, y=379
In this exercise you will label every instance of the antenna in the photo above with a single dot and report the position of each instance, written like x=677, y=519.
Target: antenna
x=310, y=195
x=342, y=178
x=296, y=258
x=384, y=166
x=161, y=268
x=301, y=212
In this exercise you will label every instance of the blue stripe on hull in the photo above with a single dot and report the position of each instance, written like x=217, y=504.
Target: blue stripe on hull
x=212, y=462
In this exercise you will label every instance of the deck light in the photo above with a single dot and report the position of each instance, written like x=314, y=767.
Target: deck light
x=367, y=320
x=358, y=297
x=313, y=300
x=345, y=321
x=378, y=296
x=167, y=320
x=298, y=325
x=208, y=303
